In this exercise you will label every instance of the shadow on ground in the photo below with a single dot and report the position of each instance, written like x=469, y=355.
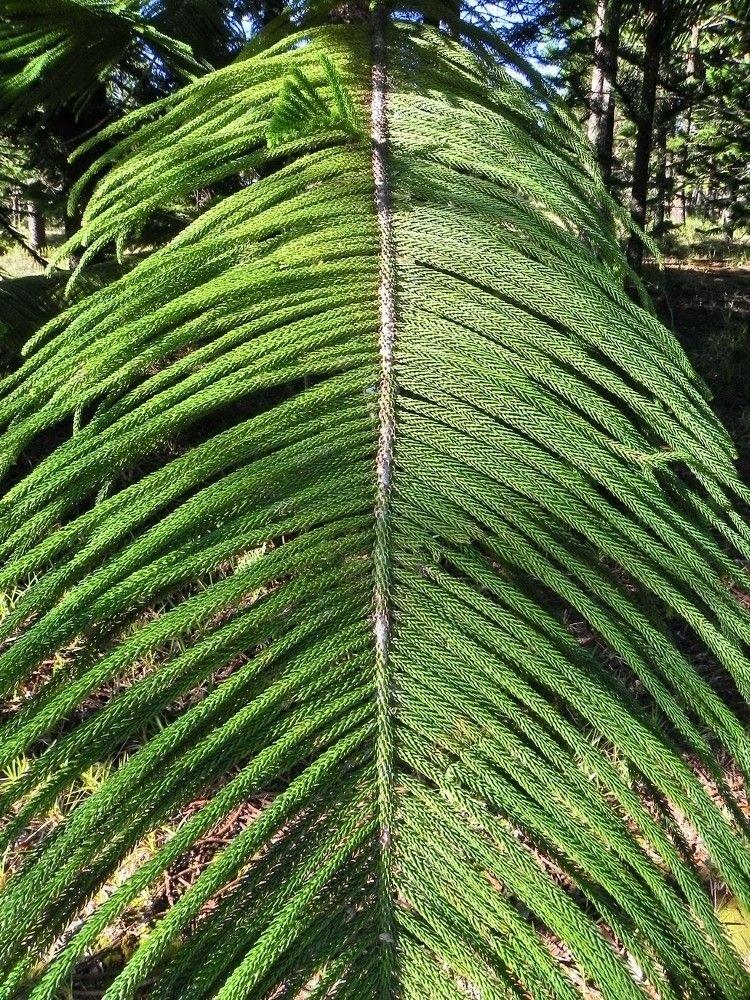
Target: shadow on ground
x=707, y=304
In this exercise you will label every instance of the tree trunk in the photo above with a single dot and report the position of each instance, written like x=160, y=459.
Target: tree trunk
x=661, y=180
x=729, y=212
x=16, y=207
x=601, y=121
x=71, y=129
x=653, y=48
x=693, y=56
x=37, y=231
x=692, y=69
x=679, y=207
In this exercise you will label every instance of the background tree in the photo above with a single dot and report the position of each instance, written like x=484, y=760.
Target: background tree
x=656, y=86
x=67, y=70
x=370, y=499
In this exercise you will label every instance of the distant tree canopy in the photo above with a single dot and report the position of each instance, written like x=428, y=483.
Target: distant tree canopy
x=662, y=88
x=374, y=573
x=67, y=71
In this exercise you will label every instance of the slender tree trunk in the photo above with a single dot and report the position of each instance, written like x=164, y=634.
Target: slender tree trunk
x=679, y=206
x=16, y=207
x=693, y=56
x=9, y=228
x=654, y=44
x=601, y=121
x=729, y=212
x=710, y=210
x=597, y=75
x=661, y=179
x=678, y=215
x=72, y=129
x=37, y=230
x=605, y=149
x=691, y=69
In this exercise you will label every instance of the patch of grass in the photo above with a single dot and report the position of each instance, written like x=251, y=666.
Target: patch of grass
x=704, y=240
x=16, y=263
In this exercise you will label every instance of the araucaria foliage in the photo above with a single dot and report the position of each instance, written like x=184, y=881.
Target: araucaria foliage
x=377, y=459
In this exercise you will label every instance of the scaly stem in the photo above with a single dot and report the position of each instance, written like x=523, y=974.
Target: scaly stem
x=382, y=607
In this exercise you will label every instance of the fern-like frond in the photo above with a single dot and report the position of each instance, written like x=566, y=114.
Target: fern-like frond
x=372, y=500
x=213, y=29
x=55, y=51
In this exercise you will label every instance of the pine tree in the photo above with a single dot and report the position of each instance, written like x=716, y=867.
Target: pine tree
x=714, y=132
x=67, y=69
x=371, y=498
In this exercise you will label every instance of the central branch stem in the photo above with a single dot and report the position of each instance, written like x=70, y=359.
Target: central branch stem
x=383, y=614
